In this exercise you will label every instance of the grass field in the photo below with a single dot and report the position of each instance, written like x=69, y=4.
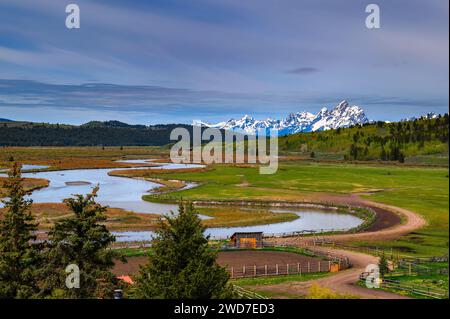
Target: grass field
x=422, y=190
x=273, y=280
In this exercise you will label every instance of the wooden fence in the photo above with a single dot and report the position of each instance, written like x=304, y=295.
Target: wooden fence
x=402, y=262
x=285, y=269
x=389, y=253
x=430, y=292
x=330, y=263
x=291, y=234
x=335, y=257
x=405, y=267
x=246, y=294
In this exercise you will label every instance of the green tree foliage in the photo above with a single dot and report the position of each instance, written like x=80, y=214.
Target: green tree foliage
x=377, y=141
x=19, y=254
x=182, y=264
x=110, y=133
x=383, y=265
x=82, y=240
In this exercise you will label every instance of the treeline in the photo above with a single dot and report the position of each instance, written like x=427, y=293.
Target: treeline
x=375, y=141
x=110, y=133
x=91, y=134
x=399, y=139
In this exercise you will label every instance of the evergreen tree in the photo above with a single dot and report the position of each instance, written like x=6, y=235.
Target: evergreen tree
x=182, y=265
x=383, y=154
x=354, y=152
x=383, y=265
x=19, y=254
x=80, y=240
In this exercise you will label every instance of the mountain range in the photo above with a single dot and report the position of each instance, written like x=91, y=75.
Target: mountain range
x=343, y=115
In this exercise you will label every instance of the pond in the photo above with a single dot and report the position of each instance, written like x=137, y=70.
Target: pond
x=117, y=192
x=309, y=219
x=126, y=193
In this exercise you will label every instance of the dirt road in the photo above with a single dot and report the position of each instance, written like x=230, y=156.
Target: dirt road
x=345, y=281
x=412, y=222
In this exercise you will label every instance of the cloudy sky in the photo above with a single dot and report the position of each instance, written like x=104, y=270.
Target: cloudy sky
x=171, y=61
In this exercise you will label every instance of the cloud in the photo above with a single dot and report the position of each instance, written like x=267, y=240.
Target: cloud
x=177, y=60
x=303, y=70
x=143, y=104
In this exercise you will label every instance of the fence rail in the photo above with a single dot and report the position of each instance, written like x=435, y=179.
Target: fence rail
x=331, y=263
x=319, y=241
x=291, y=234
x=435, y=293
x=338, y=258
x=283, y=269
x=247, y=294
x=409, y=268
x=430, y=292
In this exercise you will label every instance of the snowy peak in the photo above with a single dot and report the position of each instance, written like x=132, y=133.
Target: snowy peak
x=343, y=115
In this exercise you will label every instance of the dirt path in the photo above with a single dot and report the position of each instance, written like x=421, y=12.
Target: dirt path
x=412, y=221
x=345, y=281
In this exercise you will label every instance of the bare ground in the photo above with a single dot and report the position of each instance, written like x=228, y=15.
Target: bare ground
x=236, y=259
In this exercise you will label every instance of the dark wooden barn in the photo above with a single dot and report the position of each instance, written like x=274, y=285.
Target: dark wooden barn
x=247, y=240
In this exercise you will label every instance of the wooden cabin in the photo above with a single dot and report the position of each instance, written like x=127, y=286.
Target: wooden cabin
x=247, y=240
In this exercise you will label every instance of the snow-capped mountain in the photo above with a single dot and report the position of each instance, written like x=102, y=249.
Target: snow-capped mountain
x=343, y=115
x=428, y=116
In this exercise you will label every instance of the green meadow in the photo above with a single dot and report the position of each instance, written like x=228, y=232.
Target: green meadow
x=422, y=190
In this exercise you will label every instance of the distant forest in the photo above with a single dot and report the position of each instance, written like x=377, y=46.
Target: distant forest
x=373, y=141
x=376, y=141
x=111, y=133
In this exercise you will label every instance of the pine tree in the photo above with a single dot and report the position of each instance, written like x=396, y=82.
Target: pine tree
x=182, y=265
x=83, y=241
x=383, y=265
x=19, y=254
x=383, y=154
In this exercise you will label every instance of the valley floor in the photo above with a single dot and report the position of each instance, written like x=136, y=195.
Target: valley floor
x=416, y=197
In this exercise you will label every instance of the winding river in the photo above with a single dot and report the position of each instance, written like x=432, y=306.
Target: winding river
x=126, y=193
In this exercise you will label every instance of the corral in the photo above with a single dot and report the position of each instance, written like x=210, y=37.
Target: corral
x=247, y=263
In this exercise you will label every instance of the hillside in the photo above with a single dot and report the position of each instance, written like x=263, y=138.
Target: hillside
x=111, y=133
x=400, y=141
x=420, y=140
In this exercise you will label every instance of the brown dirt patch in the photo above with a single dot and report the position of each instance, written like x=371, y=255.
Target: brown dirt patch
x=260, y=258
x=236, y=259
x=385, y=219
x=131, y=267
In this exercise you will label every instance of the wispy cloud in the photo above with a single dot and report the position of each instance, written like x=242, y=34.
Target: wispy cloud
x=220, y=58
x=73, y=103
x=303, y=70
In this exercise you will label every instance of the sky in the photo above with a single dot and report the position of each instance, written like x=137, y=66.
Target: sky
x=174, y=61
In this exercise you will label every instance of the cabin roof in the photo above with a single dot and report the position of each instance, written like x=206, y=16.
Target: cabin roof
x=247, y=233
